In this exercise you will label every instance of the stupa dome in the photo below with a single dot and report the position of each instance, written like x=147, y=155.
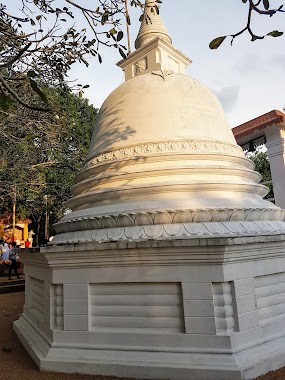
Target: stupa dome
x=158, y=107
x=163, y=161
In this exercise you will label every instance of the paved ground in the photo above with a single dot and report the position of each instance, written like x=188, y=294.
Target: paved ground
x=15, y=363
x=5, y=278
x=13, y=285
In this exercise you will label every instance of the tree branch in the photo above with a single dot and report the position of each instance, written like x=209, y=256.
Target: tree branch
x=17, y=56
x=13, y=93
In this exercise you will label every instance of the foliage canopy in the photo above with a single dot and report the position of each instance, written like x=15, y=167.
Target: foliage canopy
x=42, y=152
x=262, y=166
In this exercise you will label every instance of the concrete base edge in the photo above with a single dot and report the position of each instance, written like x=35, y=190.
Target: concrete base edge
x=245, y=365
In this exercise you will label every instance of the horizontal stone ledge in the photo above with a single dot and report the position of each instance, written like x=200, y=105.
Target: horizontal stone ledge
x=167, y=243
x=153, y=218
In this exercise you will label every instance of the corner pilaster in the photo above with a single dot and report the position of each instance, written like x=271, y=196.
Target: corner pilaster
x=275, y=136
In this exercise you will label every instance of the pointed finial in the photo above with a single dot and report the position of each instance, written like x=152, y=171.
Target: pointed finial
x=155, y=53
x=151, y=26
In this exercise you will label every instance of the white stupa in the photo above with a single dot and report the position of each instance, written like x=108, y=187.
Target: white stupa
x=171, y=264
x=163, y=154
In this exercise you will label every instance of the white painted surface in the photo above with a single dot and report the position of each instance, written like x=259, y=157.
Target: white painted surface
x=166, y=319
x=162, y=156
x=157, y=268
x=276, y=152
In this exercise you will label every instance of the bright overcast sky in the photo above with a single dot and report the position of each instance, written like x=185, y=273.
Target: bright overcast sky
x=248, y=77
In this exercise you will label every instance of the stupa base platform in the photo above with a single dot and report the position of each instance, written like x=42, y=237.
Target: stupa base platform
x=143, y=364
x=192, y=309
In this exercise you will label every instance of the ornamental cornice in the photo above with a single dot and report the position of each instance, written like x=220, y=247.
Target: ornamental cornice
x=169, y=217
x=156, y=42
x=159, y=252
x=173, y=232
x=164, y=147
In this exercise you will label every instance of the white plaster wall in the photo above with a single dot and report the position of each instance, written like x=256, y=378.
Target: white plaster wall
x=139, y=307
x=275, y=136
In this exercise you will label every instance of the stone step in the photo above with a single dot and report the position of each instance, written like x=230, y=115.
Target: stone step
x=11, y=286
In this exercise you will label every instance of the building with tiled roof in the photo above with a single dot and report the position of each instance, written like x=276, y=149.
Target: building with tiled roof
x=268, y=129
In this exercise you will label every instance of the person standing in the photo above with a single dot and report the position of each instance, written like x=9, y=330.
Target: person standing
x=13, y=265
x=4, y=255
x=5, y=252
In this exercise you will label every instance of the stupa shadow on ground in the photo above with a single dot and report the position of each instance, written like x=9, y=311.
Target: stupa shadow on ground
x=171, y=264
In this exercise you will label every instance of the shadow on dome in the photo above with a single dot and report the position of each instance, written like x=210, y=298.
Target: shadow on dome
x=109, y=128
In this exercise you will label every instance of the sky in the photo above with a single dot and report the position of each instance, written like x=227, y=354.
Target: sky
x=248, y=77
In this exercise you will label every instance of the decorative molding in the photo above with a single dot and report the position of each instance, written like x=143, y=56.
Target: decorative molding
x=156, y=43
x=223, y=308
x=140, y=66
x=142, y=302
x=270, y=297
x=172, y=232
x=168, y=217
x=59, y=307
x=38, y=300
x=188, y=147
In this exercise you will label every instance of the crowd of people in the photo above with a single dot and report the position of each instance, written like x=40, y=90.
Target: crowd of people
x=8, y=258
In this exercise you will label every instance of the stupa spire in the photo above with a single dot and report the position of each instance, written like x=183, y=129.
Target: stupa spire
x=152, y=26
x=154, y=50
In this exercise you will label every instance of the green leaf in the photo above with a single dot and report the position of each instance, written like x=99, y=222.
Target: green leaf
x=104, y=18
x=80, y=94
x=217, y=42
x=113, y=31
x=275, y=33
x=5, y=102
x=31, y=74
x=120, y=36
x=266, y=4
x=99, y=58
x=85, y=62
x=122, y=53
x=38, y=91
